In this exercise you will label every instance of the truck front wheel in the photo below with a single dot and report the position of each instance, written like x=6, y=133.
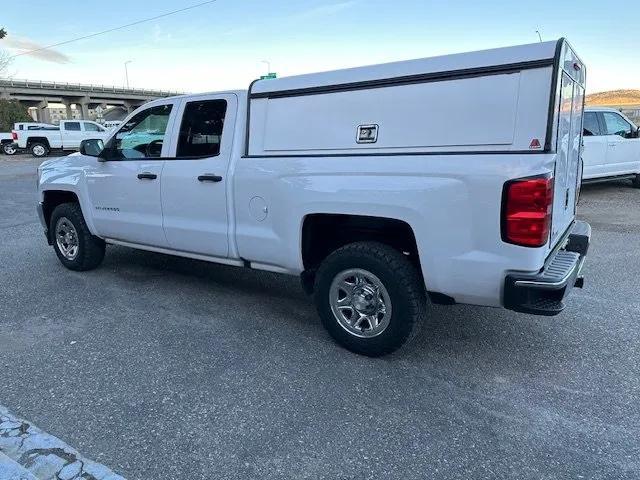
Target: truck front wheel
x=636, y=181
x=76, y=247
x=39, y=149
x=370, y=297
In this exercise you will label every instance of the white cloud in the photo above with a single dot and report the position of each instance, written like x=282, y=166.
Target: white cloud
x=24, y=46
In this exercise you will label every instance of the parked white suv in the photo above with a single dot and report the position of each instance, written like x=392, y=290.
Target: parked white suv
x=67, y=136
x=359, y=181
x=611, y=146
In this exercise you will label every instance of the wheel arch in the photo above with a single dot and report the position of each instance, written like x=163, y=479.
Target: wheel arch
x=323, y=233
x=51, y=198
x=43, y=140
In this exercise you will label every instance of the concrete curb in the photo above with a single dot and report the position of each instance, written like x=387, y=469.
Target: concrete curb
x=27, y=450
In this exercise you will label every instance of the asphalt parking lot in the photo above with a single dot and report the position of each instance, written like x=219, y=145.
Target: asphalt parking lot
x=166, y=368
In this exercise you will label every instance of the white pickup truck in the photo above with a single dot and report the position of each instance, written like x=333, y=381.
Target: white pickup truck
x=65, y=137
x=7, y=140
x=611, y=146
x=360, y=181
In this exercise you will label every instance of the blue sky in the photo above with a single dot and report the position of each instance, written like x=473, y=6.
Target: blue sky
x=221, y=45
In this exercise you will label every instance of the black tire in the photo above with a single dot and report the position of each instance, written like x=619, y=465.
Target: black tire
x=399, y=277
x=636, y=181
x=8, y=149
x=39, y=149
x=90, y=249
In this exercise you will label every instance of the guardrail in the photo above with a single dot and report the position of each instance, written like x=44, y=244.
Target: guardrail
x=79, y=87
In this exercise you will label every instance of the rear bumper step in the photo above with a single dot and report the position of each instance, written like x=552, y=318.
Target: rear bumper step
x=544, y=293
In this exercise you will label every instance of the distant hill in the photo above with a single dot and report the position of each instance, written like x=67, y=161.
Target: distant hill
x=615, y=98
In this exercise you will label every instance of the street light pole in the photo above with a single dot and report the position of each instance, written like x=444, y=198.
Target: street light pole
x=268, y=65
x=539, y=35
x=126, y=71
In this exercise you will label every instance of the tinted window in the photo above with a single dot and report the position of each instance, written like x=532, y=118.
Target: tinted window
x=591, y=125
x=74, y=126
x=616, y=125
x=92, y=127
x=201, y=128
x=142, y=136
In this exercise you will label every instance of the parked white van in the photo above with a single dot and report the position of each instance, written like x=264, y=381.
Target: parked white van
x=360, y=181
x=611, y=146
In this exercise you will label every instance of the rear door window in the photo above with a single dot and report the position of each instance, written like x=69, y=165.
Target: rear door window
x=201, y=129
x=72, y=126
x=591, y=124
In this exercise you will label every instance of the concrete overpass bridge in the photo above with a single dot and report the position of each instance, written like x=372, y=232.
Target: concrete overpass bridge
x=39, y=94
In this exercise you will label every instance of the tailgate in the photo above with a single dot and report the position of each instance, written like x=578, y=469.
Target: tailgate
x=569, y=112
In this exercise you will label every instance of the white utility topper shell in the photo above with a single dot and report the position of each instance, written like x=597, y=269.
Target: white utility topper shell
x=454, y=176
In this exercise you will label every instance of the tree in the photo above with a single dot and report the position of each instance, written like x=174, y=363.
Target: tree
x=11, y=112
x=5, y=58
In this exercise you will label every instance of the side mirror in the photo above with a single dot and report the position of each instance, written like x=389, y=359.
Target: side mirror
x=92, y=147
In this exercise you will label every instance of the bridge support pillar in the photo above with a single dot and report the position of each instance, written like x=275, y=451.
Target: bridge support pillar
x=69, y=112
x=42, y=112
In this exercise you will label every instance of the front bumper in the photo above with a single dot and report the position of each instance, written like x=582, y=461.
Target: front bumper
x=543, y=293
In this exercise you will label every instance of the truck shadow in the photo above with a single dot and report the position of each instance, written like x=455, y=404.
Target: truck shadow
x=449, y=334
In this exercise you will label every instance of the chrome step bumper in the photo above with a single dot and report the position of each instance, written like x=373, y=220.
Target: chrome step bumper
x=544, y=293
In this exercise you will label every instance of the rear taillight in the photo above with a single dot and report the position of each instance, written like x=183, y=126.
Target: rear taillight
x=526, y=211
x=14, y=135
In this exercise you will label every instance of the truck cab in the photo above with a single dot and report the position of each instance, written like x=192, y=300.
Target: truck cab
x=611, y=146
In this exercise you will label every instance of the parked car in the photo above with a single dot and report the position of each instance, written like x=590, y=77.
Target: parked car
x=359, y=181
x=65, y=137
x=7, y=140
x=611, y=146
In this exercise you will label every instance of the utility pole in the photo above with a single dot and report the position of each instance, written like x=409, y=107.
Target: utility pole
x=126, y=71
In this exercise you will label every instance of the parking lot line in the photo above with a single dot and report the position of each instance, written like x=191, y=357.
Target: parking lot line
x=28, y=453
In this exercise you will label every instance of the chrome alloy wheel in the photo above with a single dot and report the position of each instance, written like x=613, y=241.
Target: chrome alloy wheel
x=360, y=302
x=67, y=238
x=9, y=149
x=39, y=150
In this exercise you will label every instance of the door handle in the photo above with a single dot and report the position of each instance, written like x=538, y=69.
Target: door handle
x=147, y=176
x=209, y=177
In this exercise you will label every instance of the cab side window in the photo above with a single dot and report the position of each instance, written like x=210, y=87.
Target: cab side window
x=92, y=127
x=591, y=125
x=72, y=126
x=201, y=129
x=142, y=136
x=616, y=125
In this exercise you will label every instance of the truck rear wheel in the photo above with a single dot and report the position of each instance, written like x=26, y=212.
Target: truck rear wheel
x=370, y=298
x=8, y=149
x=39, y=149
x=76, y=247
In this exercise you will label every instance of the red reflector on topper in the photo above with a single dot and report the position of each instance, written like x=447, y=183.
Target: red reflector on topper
x=535, y=144
x=526, y=211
